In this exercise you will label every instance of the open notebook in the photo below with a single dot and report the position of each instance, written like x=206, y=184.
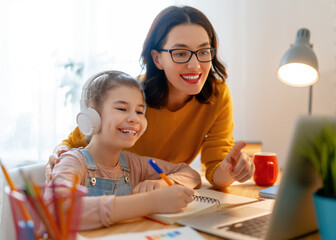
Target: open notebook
x=204, y=200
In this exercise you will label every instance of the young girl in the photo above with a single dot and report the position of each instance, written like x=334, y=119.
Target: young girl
x=115, y=103
x=190, y=108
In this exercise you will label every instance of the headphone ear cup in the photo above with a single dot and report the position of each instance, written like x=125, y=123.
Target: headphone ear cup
x=89, y=121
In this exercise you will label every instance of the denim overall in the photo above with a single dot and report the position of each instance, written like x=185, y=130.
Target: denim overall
x=105, y=186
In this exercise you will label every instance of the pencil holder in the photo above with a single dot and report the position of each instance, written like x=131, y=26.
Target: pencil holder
x=53, y=213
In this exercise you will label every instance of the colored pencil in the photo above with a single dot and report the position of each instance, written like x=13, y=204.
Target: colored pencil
x=35, y=198
x=49, y=219
x=72, y=204
x=55, y=203
x=10, y=182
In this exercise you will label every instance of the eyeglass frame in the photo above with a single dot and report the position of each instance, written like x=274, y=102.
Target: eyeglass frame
x=192, y=52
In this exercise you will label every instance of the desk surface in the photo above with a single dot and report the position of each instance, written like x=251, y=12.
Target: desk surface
x=248, y=189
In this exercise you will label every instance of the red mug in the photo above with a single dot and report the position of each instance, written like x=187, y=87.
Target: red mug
x=266, y=168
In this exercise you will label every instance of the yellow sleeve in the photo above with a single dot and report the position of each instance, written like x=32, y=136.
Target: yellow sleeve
x=75, y=139
x=219, y=140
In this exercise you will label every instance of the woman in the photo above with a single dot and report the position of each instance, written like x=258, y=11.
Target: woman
x=189, y=104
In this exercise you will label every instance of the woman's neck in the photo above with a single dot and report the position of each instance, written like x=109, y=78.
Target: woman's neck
x=177, y=100
x=103, y=153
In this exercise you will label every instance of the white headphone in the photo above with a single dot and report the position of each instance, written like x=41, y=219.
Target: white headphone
x=88, y=119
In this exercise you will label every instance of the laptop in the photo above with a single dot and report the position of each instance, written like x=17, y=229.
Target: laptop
x=292, y=213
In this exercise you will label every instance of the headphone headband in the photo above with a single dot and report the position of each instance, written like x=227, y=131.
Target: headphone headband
x=88, y=119
x=86, y=86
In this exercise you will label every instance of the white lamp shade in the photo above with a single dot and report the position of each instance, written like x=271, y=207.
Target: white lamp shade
x=298, y=74
x=299, y=66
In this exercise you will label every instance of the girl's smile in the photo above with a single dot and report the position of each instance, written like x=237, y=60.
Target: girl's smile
x=128, y=131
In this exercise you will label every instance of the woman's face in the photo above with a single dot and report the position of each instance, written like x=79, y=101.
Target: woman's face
x=123, y=119
x=187, y=78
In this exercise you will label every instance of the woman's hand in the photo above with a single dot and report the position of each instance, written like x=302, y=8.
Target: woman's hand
x=238, y=164
x=53, y=159
x=149, y=185
x=171, y=199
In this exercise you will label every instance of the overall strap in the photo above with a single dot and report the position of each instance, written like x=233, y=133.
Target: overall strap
x=123, y=163
x=88, y=158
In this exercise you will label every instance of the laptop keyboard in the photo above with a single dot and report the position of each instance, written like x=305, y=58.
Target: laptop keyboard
x=255, y=227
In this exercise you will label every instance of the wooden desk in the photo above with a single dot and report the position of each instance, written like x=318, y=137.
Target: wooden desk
x=248, y=189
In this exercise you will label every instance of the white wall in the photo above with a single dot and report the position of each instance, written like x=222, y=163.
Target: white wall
x=253, y=36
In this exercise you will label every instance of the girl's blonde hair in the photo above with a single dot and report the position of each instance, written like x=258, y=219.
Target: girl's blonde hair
x=95, y=92
x=98, y=85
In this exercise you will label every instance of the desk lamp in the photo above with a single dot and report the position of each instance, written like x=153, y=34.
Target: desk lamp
x=299, y=66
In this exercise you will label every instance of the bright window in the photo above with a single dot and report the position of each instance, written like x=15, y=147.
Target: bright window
x=48, y=49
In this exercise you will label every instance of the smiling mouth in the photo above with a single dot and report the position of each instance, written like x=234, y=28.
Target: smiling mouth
x=193, y=79
x=128, y=131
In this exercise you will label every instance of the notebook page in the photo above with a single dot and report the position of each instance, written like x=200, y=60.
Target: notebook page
x=224, y=198
x=196, y=207
x=193, y=207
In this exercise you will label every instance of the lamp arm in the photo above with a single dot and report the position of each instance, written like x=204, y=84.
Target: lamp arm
x=310, y=99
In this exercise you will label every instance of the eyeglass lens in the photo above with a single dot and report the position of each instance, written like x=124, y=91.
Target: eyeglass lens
x=184, y=55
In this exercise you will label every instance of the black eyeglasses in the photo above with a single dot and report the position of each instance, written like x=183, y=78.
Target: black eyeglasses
x=184, y=55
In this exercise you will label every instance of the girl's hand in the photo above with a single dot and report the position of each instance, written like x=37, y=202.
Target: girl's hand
x=171, y=199
x=149, y=185
x=53, y=159
x=238, y=164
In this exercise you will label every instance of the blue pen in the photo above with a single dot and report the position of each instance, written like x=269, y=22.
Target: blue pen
x=26, y=230
x=160, y=172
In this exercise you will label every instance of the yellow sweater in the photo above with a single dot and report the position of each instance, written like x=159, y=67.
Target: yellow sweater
x=179, y=136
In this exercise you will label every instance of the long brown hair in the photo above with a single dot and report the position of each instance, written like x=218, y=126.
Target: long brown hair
x=155, y=81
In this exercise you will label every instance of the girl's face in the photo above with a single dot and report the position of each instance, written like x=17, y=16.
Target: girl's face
x=123, y=119
x=187, y=78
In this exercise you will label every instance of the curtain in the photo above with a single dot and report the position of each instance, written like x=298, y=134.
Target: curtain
x=47, y=51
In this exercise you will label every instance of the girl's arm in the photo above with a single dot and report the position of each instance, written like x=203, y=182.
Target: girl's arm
x=102, y=211
x=180, y=173
x=164, y=200
x=147, y=179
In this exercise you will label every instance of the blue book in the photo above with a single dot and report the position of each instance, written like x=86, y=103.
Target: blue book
x=270, y=192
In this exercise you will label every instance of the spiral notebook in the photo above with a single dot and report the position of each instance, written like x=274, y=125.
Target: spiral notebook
x=203, y=200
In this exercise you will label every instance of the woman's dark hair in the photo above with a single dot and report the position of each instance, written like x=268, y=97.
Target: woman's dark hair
x=155, y=82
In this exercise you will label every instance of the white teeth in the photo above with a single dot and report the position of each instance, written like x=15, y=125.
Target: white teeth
x=129, y=131
x=191, y=77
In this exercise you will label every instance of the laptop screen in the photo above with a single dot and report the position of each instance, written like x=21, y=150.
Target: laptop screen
x=294, y=212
